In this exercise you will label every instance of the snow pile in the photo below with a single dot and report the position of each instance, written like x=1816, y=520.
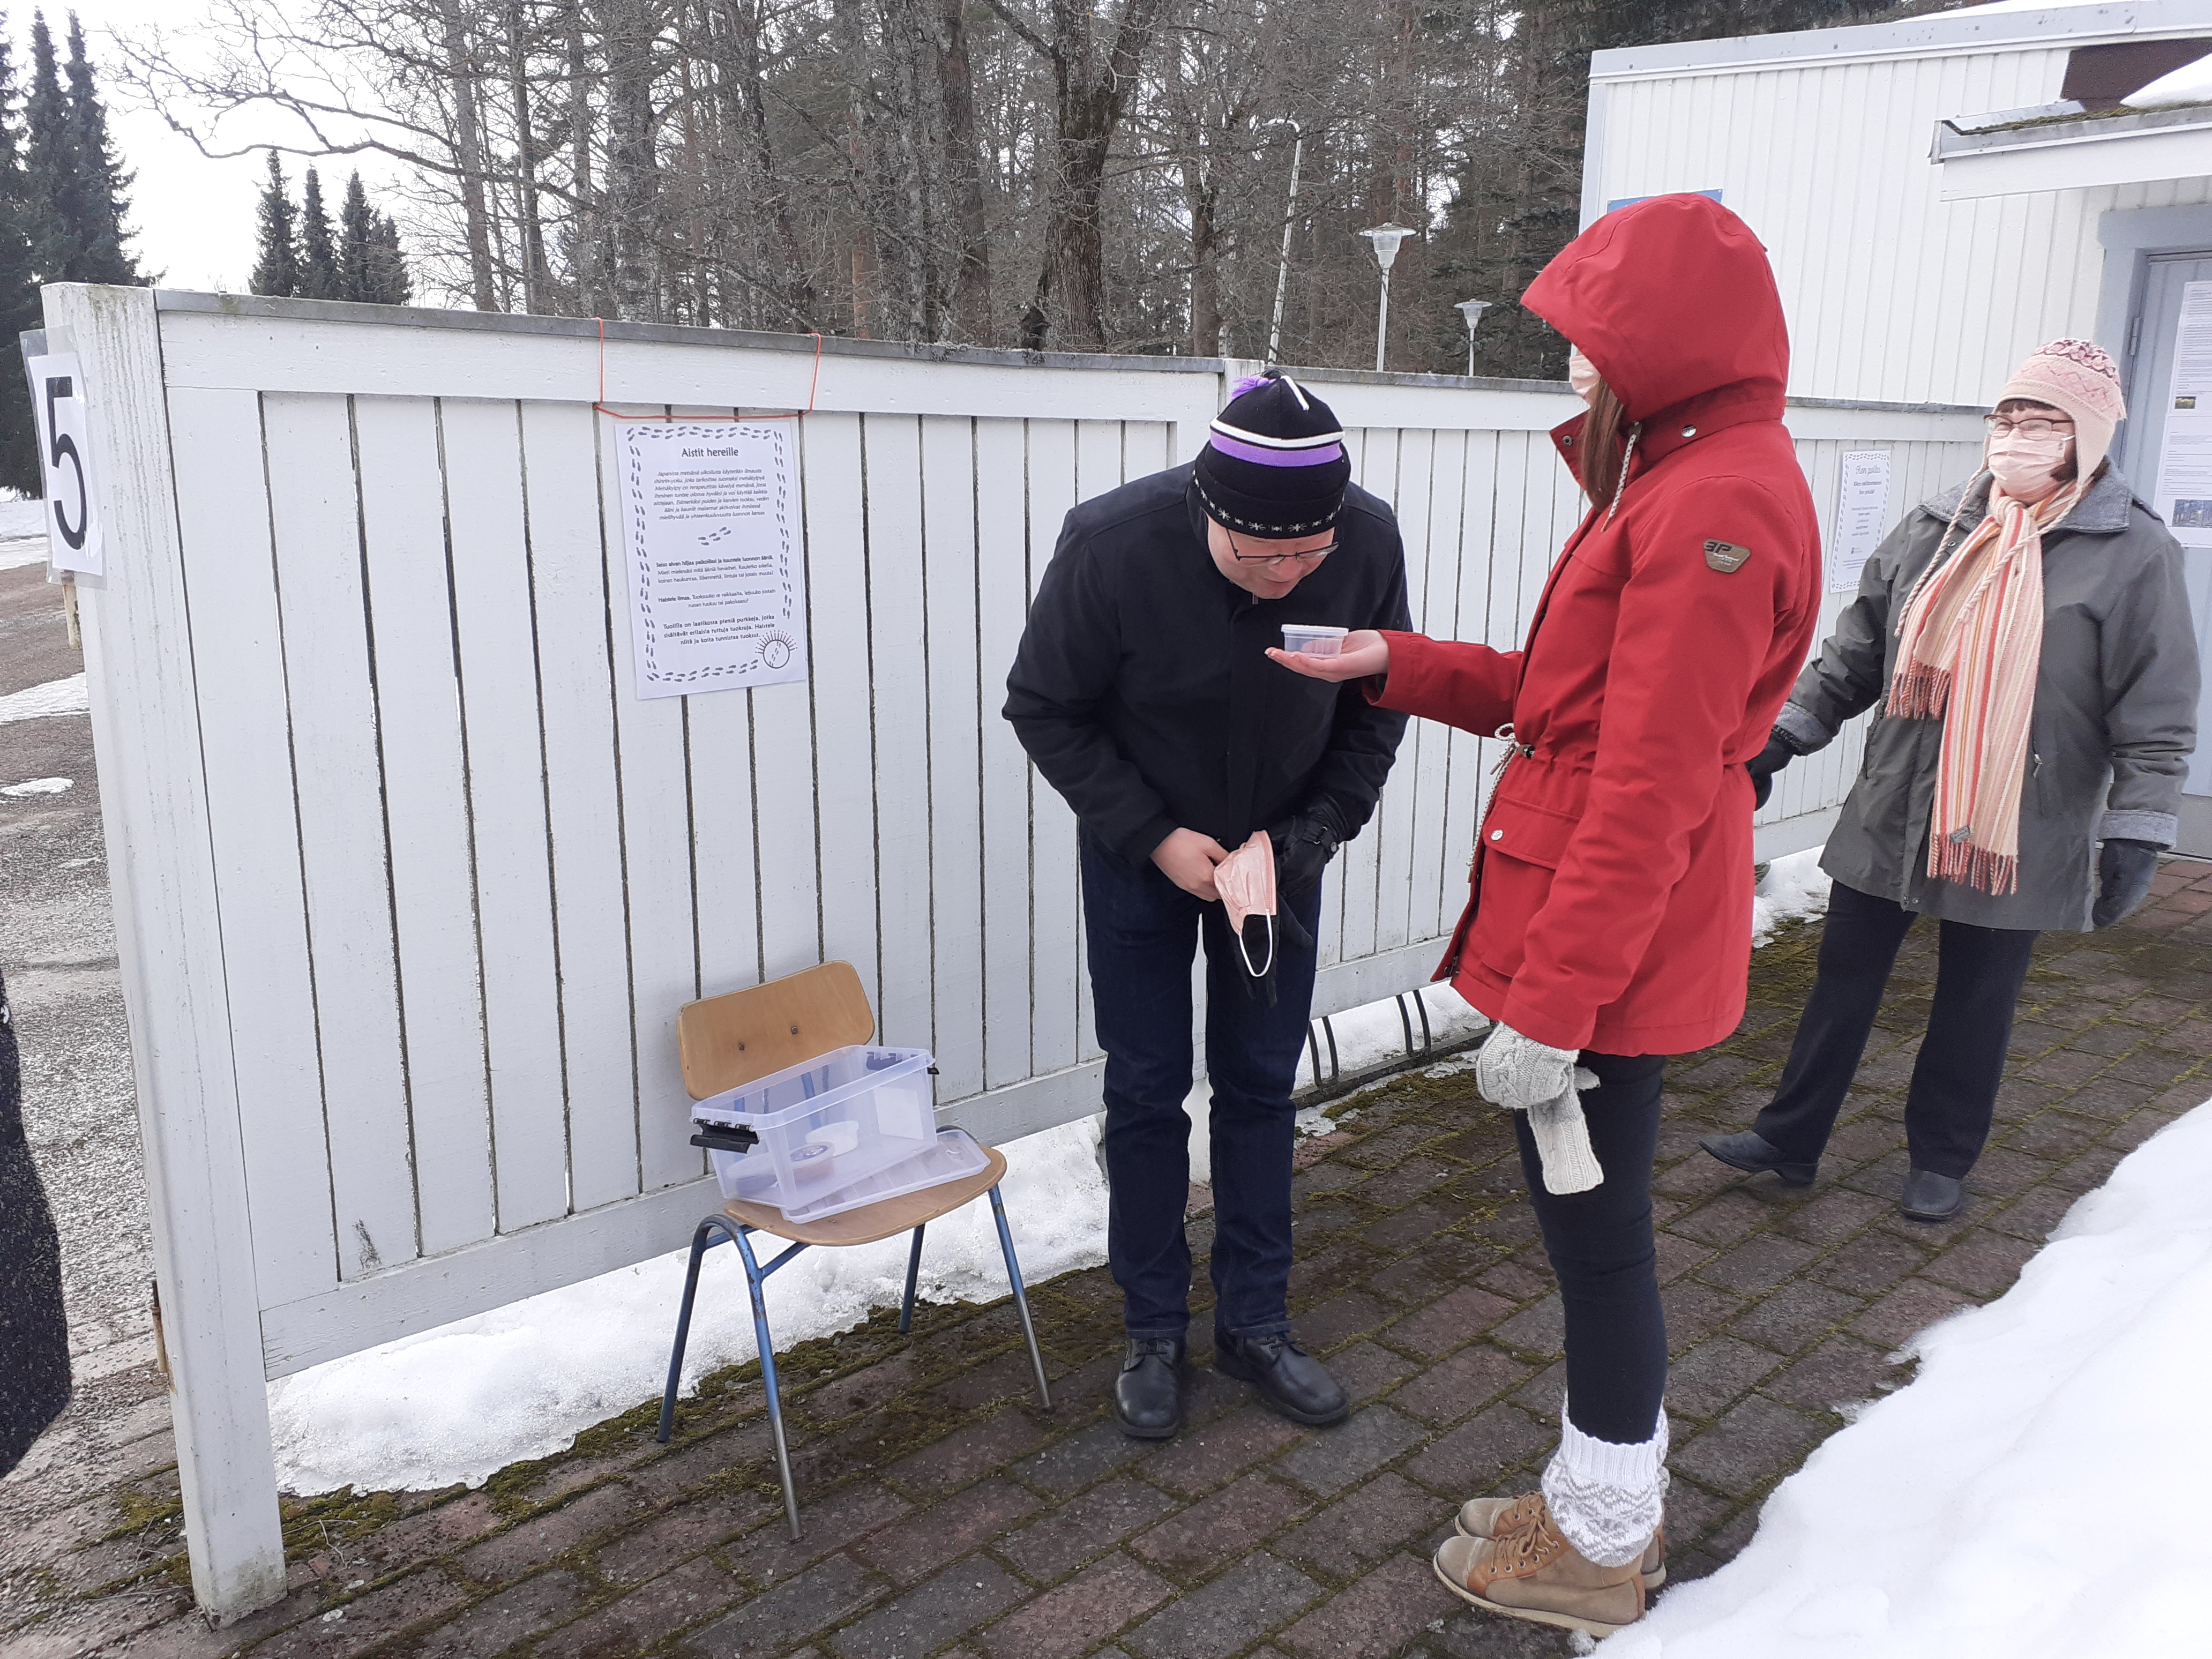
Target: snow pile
x=68, y=696
x=20, y=552
x=1795, y=887
x=2033, y=1494
x=2179, y=88
x=36, y=786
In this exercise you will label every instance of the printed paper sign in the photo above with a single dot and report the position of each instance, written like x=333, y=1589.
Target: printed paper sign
x=716, y=591
x=1862, y=514
x=2184, y=491
x=73, y=538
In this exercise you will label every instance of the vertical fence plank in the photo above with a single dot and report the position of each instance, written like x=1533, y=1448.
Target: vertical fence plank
x=418, y=725
x=343, y=848
x=1002, y=588
x=222, y=519
x=901, y=635
x=963, y=703
x=506, y=832
x=1055, y=907
x=1397, y=814
x=1428, y=744
x=1359, y=866
x=577, y=611
x=1466, y=773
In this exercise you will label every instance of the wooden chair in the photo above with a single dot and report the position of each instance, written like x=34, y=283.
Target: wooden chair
x=728, y=1040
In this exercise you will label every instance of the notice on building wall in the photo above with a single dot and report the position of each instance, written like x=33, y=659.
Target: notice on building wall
x=717, y=593
x=1862, y=514
x=2183, y=493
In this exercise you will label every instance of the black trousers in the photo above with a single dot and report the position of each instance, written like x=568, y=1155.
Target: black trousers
x=1600, y=1246
x=1978, y=974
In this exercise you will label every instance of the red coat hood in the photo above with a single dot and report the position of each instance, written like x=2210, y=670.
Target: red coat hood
x=1669, y=298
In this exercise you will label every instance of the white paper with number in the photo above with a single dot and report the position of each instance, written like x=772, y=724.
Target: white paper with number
x=1861, y=515
x=717, y=594
x=73, y=538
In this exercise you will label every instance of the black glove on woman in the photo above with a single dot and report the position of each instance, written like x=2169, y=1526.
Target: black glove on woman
x=2124, y=870
x=1778, y=753
x=1304, y=846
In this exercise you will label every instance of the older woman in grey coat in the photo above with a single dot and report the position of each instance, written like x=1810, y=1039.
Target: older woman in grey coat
x=2027, y=636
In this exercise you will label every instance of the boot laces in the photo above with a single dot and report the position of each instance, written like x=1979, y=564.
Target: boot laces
x=1527, y=1541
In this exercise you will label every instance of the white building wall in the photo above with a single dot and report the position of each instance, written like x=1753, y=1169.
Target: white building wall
x=1892, y=293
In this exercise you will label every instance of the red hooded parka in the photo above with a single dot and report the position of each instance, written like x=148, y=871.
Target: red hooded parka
x=1612, y=874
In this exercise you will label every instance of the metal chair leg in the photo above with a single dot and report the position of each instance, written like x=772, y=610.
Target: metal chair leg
x=683, y=1331
x=1021, y=1298
x=913, y=1273
x=754, y=1278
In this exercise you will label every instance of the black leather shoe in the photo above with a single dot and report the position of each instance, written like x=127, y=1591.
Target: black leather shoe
x=1288, y=1378
x=1754, y=1154
x=1148, y=1394
x=1931, y=1197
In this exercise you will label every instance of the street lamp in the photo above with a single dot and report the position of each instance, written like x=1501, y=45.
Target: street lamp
x=1290, y=214
x=1472, y=310
x=1384, y=239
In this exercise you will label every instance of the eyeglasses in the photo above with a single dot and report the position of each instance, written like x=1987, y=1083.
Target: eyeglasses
x=2035, y=426
x=1277, y=561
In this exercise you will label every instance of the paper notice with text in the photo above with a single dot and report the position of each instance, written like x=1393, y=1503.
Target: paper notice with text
x=1862, y=514
x=717, y=594
x=2184, y=492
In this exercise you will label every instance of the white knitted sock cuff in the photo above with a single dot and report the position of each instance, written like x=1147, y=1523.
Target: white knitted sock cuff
x=1607, y=1499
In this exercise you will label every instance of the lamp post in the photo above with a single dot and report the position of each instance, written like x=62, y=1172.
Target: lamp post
x=1290, y=216
x=1472, y=310
x=1384, y=239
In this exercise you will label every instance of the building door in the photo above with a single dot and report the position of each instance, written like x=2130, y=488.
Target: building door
x=2167, y=456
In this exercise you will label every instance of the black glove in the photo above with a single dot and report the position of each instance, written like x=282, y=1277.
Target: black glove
x=1780, y=751
x=2124, y=870
x=1304, y=846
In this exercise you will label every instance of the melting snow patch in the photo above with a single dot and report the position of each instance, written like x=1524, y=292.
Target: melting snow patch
x=39, y=787
x=2034, y=1492
x=68, y=696
x=18, y=551
x=1795, y=887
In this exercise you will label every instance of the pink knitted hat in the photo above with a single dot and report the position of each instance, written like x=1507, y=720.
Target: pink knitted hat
x=2079, y=377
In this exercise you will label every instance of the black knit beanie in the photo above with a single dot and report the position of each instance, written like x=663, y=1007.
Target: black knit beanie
x=1273, y=467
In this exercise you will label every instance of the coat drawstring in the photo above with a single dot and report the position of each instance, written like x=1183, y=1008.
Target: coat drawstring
x=1627, y=459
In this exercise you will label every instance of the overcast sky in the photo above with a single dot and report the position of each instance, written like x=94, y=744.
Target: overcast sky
x=195, y=218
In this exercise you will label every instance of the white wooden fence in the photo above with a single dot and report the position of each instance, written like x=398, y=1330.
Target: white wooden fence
x=410, y=885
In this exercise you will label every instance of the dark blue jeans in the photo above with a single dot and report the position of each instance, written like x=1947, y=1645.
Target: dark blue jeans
x=1142, y=932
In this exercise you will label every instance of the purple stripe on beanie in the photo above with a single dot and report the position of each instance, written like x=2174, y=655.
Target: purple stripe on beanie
x=1244, y=452
x=1250, y=382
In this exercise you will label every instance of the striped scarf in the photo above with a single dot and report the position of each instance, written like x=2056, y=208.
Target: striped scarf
x=1971, y=643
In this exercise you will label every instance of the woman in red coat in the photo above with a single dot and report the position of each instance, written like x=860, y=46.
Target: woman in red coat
x=1610, y=924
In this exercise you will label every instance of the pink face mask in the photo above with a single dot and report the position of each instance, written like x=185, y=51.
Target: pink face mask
x=1581, y=374
x=1246, y=881
x=2023, y=466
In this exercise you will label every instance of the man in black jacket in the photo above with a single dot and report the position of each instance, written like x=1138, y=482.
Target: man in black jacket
x=1143, y=692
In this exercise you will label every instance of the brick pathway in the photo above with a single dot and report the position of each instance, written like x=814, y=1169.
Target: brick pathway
x=946, y=1517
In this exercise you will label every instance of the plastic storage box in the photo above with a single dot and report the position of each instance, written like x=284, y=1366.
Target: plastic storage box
x=828, y=1128
x=1312, y=639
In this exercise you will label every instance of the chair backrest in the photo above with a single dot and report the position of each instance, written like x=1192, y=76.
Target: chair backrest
x=727, y=1041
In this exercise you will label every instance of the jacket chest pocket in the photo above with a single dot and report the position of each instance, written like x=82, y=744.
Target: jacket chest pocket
x=1522, y=846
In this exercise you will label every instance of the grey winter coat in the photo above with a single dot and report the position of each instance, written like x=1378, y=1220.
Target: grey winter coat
x=2115, y=719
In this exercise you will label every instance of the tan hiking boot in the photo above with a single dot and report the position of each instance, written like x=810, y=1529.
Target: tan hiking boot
x=1485, y=1517
x=1532, y=1572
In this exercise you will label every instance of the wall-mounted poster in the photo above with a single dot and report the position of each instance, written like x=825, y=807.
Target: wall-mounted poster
x=2184, y=494
x=717, y=593
x=1862, y=513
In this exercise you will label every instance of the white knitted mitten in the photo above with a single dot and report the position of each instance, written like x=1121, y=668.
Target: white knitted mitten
x=1523, y=1075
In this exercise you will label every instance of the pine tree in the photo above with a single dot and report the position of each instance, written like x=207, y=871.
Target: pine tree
x=277, y=271
x=356, y=242
x=52, y=190
x=388, y=265
x=19, y=293
x=101, y=181
x=318, y=264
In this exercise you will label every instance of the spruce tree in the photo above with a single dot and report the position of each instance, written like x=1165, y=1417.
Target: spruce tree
x=101, y=181
x=277, y=269
x=52, y=191
x=356, y=242
x=318, y=264
x=388, y=265
x=19, y=293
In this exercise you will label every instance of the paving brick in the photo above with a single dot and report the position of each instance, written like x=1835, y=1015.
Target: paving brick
x=1907, y=1311
x=1695, y=1310
x=1064, y=1622
x=927, y=1539
x=1984, y=1264
x=499, y=1622
x=1541, y=1329
x=1870, y=1264
x=794, y=1611
x=1447, y=1322
x=768, y=1555
x=1678, y=1255
x=963, y=1595
x=367, y=1619
x=1362, y=1526
x=1520, y=1277
x=1453, y=1388
x=1376, y=1617
x=1715, y=1374
x=1334, y=1458
x=1755, y=1442
x=1338, y=1320
x=1202, y=1459
x=659, y=1543
x=1079, y=1460
x=1071, y=1533
x=2034, y=1213
x=967, y=1453
x=1840, y=1370
x=1758, y=1263
x=1834, y=1215
x=1219, y=1528
x=1474, y=1454
x=1723, y=1218
x=1222, y=1616
x=690, y=1595
x=532, y=1542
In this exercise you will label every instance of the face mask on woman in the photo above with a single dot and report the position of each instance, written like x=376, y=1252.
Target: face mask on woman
x=1581, y=374
x=2023, y=466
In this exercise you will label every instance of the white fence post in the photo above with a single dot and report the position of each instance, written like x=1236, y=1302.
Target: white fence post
x=153, y=807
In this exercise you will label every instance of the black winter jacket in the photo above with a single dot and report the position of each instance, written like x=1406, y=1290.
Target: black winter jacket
x=1141, y=691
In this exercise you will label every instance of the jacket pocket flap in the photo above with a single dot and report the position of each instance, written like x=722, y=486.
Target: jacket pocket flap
x=1533, y=834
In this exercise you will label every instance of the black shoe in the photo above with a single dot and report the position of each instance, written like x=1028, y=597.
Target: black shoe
x=1754, y=1154
x=1288, y=1378
x=1931, y=1197
x=1148, y=1394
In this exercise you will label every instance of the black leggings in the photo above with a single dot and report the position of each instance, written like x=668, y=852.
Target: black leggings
x=1600, y=1246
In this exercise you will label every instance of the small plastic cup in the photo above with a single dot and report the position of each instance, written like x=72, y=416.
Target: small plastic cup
x=1312, y=639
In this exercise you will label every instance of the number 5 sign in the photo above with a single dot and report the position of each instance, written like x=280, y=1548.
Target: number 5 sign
x=73, y=540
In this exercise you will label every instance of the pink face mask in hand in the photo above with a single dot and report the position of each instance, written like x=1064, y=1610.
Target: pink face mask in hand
x=2026, y=466
x=1246, y=881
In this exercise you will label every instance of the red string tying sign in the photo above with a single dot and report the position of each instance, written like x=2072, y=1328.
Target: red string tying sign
x=600, y=404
